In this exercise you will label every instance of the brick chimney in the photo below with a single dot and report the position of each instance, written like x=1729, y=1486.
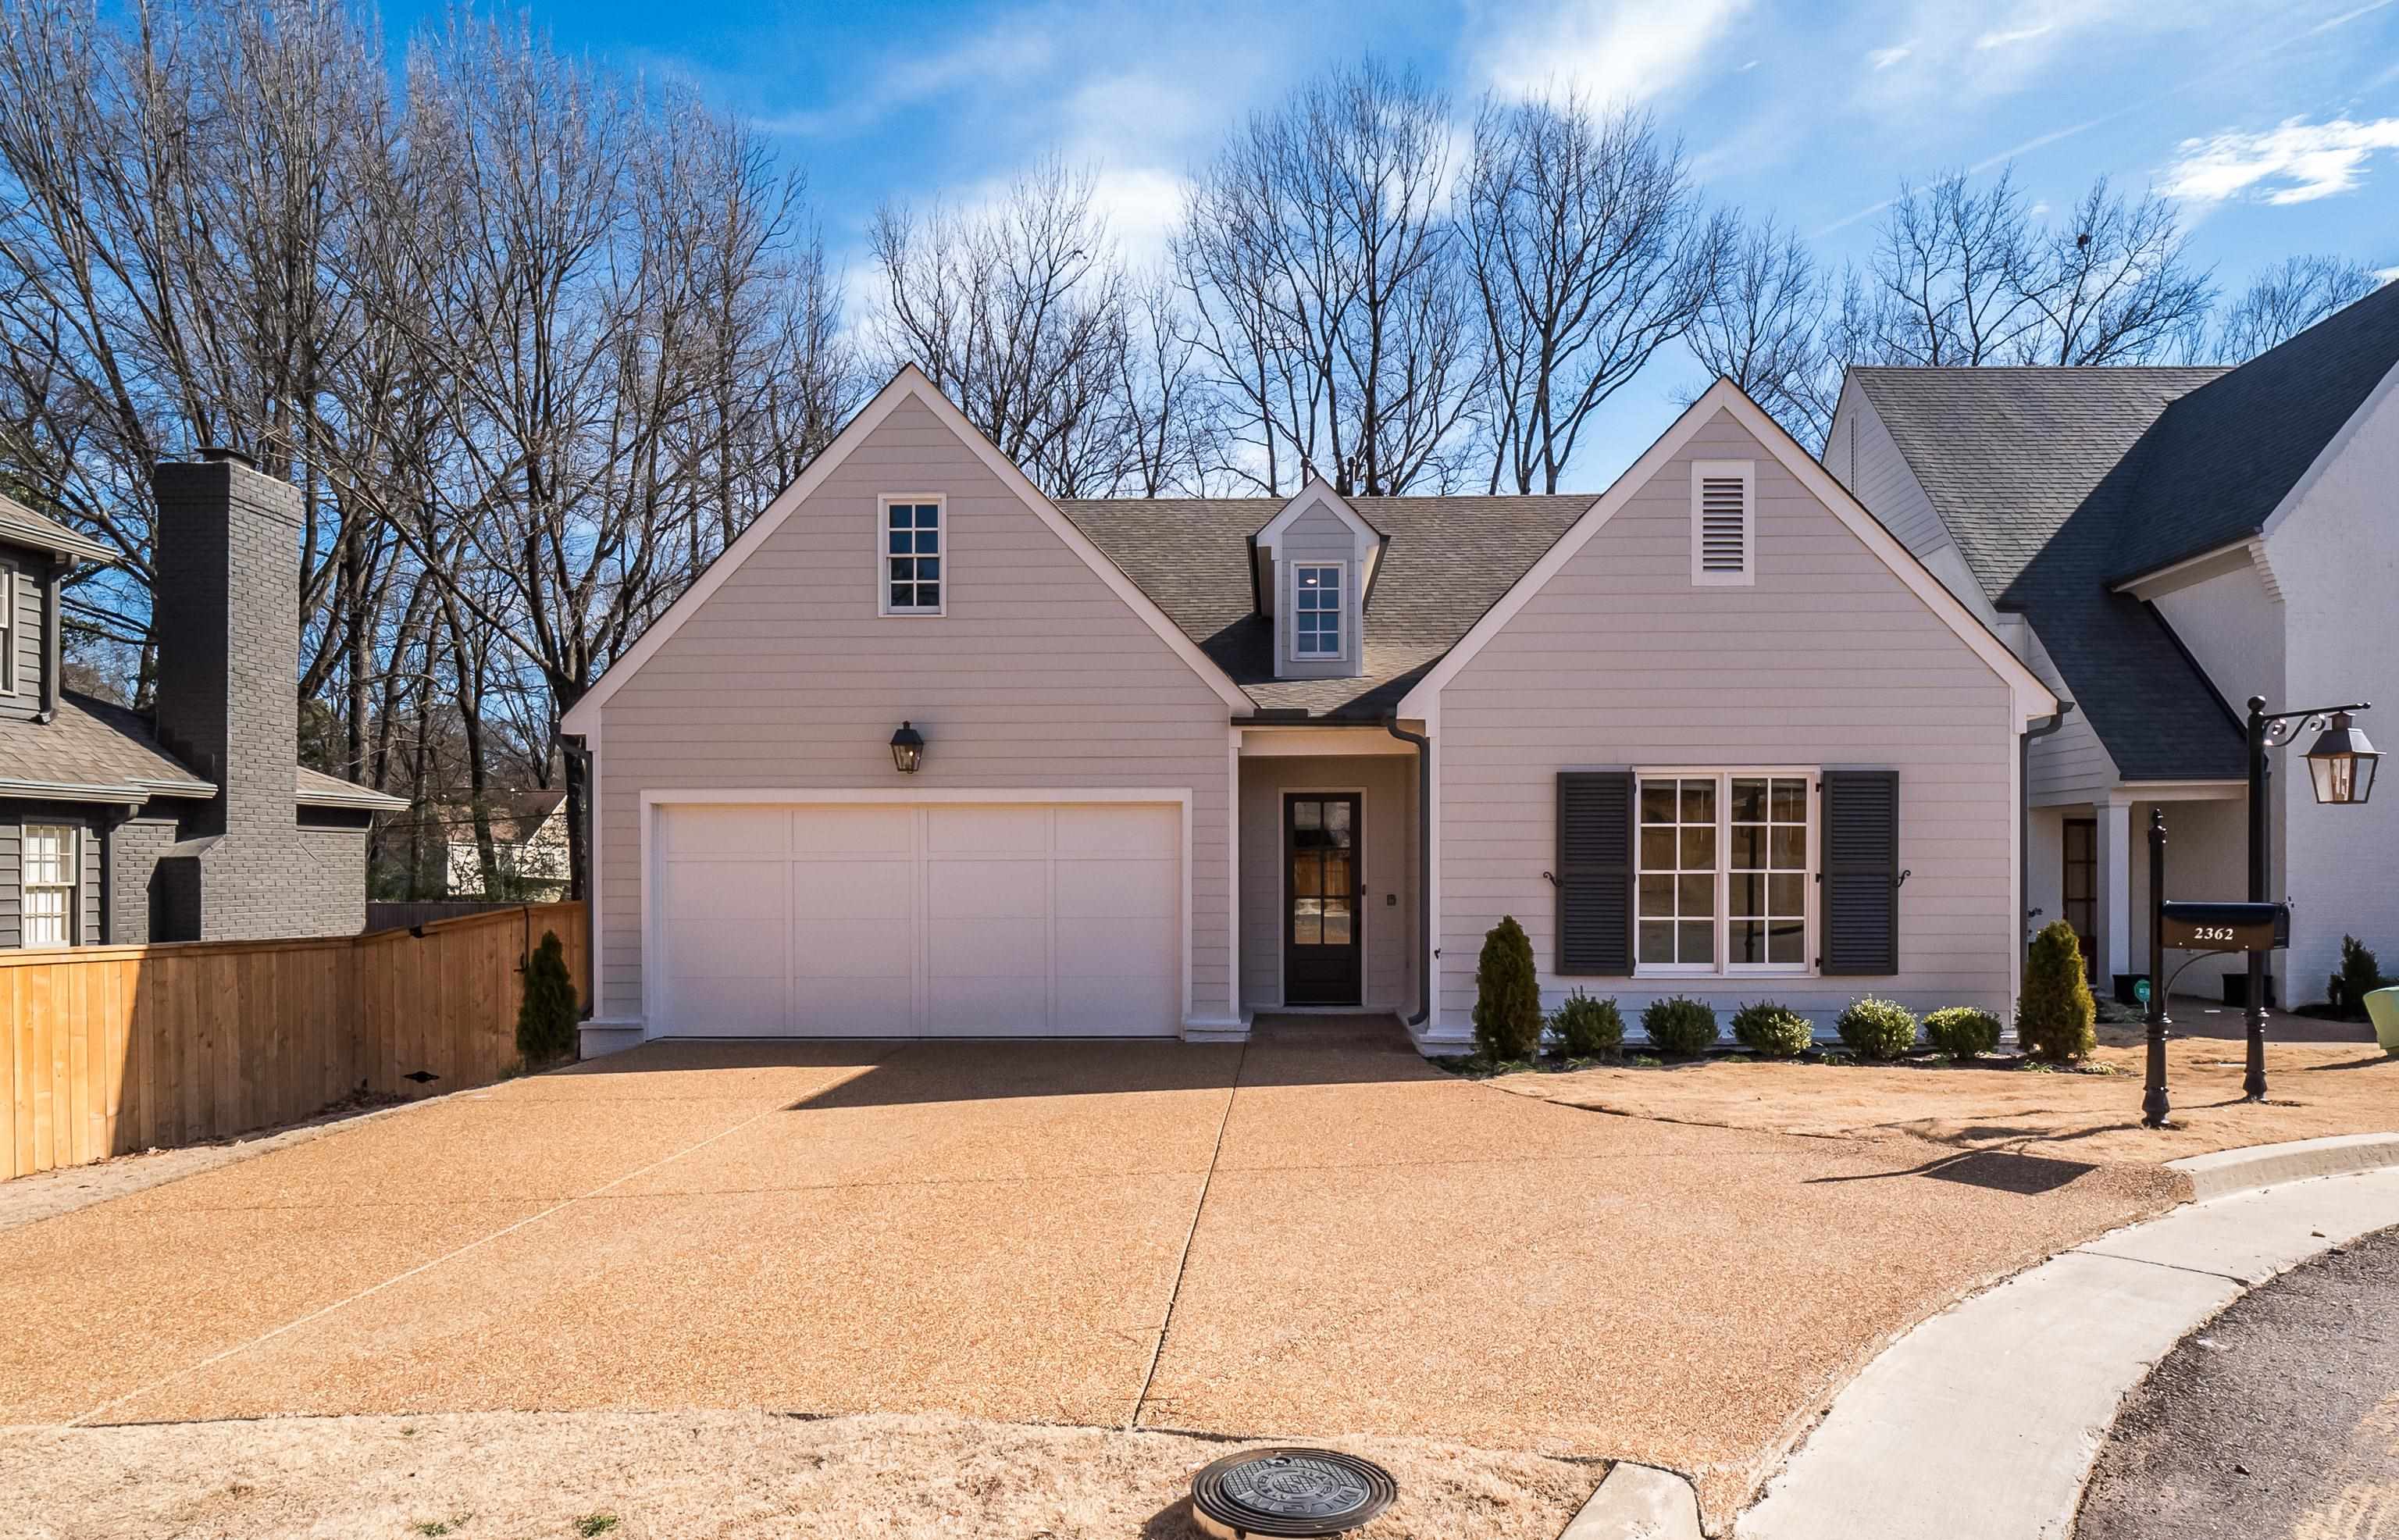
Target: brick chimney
x=227, y=612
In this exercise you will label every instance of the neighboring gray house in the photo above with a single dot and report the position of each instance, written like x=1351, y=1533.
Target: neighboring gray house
x=1715, y=732
x=195, y=824
x=2160, y=544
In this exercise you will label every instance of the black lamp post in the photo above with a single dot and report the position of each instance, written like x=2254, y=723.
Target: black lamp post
x=907, y=750
x=2340, y=766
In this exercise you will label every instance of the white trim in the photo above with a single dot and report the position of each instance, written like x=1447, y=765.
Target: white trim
x=2180, y=790
x=909, y=383
x=1341, y=613
x=883, y=552
x=1317, y=491
x=1283, y=890
x=1745, y=472
x=2032, y=697
x=1725, y=967
x=1298, y=741
x=2229, y=557
x=595, y=912
x=2019, y=814
x=69, y=869
x=653, y=798
x=1232, y=879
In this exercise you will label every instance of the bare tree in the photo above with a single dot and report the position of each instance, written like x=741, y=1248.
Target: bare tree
x=1589, y=252
x=2285, y=299
x=1763, y=327
x=1965, y=277
x=1323, y=271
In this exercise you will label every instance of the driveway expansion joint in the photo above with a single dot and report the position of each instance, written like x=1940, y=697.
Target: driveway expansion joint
x=1183, y=1260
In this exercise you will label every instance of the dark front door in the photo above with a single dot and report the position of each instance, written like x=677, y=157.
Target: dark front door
x=2081, y=888
x=1321, y=911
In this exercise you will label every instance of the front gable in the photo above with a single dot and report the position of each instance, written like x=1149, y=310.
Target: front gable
x=812, y=568
x=1828, y=582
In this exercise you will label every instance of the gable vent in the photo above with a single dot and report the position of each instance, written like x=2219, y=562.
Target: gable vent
x=1723, y=521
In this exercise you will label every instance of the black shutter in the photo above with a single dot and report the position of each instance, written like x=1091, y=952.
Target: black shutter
x=1595, y=873
x=1862, y=871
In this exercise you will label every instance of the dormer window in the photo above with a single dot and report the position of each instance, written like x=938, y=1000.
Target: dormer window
x=1316, y=610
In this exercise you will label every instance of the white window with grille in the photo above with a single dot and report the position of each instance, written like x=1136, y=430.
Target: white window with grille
x=1723, y=522
x=50, y=865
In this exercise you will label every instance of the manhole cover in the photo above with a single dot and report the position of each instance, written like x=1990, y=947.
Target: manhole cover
x=1289, y=1492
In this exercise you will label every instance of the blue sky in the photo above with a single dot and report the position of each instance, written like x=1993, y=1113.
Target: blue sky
x=2275, y=125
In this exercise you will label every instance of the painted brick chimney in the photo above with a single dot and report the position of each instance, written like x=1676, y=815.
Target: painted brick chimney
x=226, y=612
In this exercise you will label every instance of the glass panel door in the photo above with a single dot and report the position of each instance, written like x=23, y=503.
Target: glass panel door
x=1321, y=949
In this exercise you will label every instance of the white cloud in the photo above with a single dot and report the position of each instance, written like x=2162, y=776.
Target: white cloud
x=1001, y=52
x=1614, y=51
x=2016, y=35
x=2293, y=162
x=1883, y=59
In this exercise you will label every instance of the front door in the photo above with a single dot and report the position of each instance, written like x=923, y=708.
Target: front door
x=2080, y=887
x=1321, y=911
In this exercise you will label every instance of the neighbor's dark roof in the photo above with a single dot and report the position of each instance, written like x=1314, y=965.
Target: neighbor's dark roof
x=1447, y=560
x=2056, y=483
x=21, y=525
x=93, y=749
x=2029, y=470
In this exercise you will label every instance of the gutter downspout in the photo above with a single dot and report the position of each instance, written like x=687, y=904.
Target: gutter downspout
x=1425, y=953
x=580, y=879
x=2024, y=814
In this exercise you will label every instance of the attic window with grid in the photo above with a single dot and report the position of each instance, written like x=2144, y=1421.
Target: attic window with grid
x=1723, y=522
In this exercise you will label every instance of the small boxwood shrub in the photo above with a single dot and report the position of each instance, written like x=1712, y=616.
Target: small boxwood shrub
x=1506, y=994
x=1772, y=1028
x=2056, y=1019
x=1678, y=1025
x=1877, y=1029
x=1962, y=1031
x=1588, y=1028
x=546, y=1016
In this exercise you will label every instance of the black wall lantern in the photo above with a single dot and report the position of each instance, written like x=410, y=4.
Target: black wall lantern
x=907, y=750
x=2342, y=763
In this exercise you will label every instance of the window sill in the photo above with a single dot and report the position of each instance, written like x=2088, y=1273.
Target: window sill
x=1763, y=970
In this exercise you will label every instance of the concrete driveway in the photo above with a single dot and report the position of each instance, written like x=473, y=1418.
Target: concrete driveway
x=1312, y=1234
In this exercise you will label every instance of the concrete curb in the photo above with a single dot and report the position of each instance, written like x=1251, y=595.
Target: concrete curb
x=2265, y=1164
x=1983, y=1423
x=1638, y=1503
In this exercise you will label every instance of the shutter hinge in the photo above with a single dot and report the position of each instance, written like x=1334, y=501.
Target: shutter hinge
x=1904, y=875
x=1550, y=878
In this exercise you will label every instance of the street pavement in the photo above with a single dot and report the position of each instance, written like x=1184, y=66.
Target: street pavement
x=2277, y=1421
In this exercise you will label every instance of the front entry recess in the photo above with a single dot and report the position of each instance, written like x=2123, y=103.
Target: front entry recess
x=1323, y=912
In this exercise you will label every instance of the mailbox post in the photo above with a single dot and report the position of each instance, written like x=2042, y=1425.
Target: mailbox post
x=2154, y=1105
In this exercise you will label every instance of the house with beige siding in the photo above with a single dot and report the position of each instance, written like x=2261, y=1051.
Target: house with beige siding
x=2160, y=544
x=1162, y=765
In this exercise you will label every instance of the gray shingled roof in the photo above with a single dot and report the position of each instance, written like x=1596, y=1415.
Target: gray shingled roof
x=2056, y=483
x=91, y=748
x=319, y=789
x=1448, y=560
x=22, y=526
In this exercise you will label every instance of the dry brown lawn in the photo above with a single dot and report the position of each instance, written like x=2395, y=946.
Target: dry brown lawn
x=688, y=1475
x=2313, y=1090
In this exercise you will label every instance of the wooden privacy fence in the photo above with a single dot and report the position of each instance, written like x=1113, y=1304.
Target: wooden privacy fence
x=115, y=1050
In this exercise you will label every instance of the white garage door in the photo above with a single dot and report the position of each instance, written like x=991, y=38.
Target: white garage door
x=875, y=920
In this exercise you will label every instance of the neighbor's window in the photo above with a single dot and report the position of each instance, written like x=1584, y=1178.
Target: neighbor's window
x=1316, y=611
x=7, y=631
x=1723, y=882
x=912, y=548
x=50, y=869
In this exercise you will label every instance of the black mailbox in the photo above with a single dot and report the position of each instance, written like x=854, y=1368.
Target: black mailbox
x=2227, y=927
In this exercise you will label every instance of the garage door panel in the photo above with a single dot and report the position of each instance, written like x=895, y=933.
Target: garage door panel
x=852, y=949
x=964, y=888
x=1134, y=830
x=724, y=890
x=726, y=831
x=986, y=1007
x=1004, y=949
x=851, y=1007
x=1108, y=1007
x=988, y=830
x=1116, y=946
x=853, y=890
x=1117, y=887
x=852, y=831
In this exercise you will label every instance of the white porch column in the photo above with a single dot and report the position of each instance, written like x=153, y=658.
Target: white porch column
x=2116, y=891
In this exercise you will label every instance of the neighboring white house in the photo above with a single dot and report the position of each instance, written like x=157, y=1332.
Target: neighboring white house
x=1715, y=732
x=529, y=847
x=2161, y=545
